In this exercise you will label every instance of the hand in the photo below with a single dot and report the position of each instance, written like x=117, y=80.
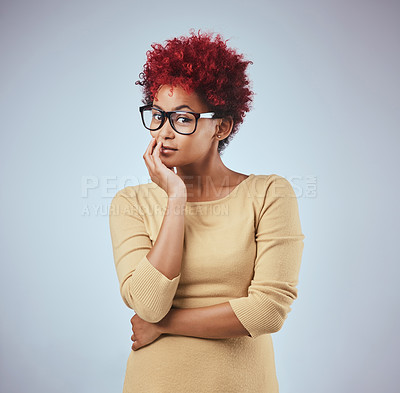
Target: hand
x=144, y=332
x=160, y=174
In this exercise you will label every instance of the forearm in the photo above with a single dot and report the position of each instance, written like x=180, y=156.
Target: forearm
x=166, y=254
x=217, y=321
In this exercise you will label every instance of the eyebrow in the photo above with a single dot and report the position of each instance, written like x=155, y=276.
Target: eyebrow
x=177, y=108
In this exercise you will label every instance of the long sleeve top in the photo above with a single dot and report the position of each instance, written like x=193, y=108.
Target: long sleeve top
x=245, y=249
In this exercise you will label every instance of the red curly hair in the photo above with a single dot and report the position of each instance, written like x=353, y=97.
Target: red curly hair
x=207, y=67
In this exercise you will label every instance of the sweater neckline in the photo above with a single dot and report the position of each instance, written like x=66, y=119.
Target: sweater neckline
x=226, y=197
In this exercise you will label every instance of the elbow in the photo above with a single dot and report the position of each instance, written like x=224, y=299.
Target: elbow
x=276, y=326
x=273, y=309
x=272, y=320
x=260, y=314
x=268, y=323
x=148, y=292
x=149, y=315
x=145, y=312
x=149, y=311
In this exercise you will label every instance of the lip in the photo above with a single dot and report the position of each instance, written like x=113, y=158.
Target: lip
x=165, y=150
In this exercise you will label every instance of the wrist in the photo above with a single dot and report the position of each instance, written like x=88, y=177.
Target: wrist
x=177, y=199
x=176, y=204
x=162, y=325
x=178, y=193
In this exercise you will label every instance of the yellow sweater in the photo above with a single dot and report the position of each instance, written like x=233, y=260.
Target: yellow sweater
x=245, y=248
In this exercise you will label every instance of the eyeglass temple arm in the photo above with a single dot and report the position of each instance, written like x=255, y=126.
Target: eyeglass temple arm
x=207, y=115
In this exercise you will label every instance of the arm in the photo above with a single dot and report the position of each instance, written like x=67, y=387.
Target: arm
x=148, y=275
x=279, y=240
x=217, y=321
x=273, y=288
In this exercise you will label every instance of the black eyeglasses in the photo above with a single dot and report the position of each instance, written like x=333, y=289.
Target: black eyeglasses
x=182, y=122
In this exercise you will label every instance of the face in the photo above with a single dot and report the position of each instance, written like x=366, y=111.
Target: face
x=194, y=149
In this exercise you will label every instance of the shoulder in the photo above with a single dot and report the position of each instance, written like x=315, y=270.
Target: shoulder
x=140, y=191
x=277, y=203
x=139, y=197
x=272, y=185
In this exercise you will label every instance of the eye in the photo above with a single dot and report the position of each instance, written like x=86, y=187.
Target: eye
x=157, y=116
x=184, y=119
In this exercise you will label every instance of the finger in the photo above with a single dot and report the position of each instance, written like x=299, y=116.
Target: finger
x=151, y=144
x=156, y=148
x=156, y=155
x=147, y=156
x=149, y=149
x=149, y=166
x=153, y=148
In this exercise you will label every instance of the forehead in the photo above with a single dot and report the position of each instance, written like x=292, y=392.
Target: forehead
x=168, y=97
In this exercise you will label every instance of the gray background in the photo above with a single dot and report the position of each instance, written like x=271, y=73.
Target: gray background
x=326, y=111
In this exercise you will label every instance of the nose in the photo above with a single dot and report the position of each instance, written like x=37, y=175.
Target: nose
x=166, y=131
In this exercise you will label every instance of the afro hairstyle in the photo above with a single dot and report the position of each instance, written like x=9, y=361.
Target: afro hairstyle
x=198, y=63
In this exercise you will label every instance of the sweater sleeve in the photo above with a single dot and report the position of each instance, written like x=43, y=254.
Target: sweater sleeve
x=143, y=288
x=279, y=245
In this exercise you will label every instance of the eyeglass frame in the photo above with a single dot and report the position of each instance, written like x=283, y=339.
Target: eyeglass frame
x=167, y=115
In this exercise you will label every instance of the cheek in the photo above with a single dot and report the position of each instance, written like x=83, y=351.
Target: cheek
x=196, y=144
x=201, y=144
x=204, y=136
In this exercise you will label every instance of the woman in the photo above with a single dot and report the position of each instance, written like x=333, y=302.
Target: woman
x=208, y=258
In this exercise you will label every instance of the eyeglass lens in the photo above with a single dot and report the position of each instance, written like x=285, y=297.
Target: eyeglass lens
x=182, y=121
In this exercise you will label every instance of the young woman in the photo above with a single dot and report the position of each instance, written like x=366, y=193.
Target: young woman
x=208, y=258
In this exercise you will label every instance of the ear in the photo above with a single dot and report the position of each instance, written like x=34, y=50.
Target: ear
x=225, y=127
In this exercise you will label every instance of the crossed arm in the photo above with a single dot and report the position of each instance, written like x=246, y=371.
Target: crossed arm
x=216, y=321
